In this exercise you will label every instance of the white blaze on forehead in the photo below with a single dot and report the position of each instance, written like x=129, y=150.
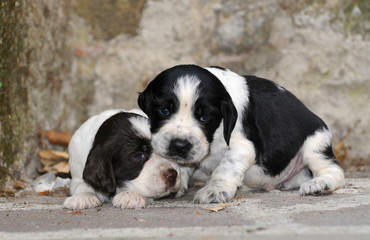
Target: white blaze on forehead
x=141, y=124
x=182, y=123
x=186, y=92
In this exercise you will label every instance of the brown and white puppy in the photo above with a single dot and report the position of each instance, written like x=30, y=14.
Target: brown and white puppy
x=111, y=159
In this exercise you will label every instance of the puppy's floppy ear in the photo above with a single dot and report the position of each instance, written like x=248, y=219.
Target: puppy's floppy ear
x=230, y=115
x=99, y=172
x=143, y=101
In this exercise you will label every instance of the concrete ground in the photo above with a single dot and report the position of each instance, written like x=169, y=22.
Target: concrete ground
x=344, y=214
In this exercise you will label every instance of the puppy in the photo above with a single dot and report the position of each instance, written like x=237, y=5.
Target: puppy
x=111, y=159
x=238, y=129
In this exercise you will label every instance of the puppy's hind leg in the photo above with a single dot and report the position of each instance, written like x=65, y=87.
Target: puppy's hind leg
x=295, y=182
x=319, y=157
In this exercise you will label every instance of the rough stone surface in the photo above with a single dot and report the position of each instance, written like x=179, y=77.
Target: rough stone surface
x=314, y=50
x=345, y=214
x=35, y=79
x=76, y=60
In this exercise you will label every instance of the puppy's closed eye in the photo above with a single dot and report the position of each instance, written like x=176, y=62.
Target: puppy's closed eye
x=140, y=157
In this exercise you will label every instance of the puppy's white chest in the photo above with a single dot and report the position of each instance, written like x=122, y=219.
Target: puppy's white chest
x=218, y=149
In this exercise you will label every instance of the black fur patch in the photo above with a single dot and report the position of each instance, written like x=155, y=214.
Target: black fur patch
x=329, y=154
x=277, y=123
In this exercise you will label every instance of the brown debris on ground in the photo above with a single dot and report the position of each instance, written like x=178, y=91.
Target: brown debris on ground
x=59, y=138
x=54, y=160
x=353, y=167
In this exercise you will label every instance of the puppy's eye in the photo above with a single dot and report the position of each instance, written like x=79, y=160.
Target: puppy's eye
x=139, y=157
x=164, y=112
x=203, y=118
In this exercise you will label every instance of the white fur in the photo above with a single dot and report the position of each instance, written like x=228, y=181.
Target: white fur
x=186, y=173
x=327, y=176
x=141, y=125
x=150, y=183
x=227, y=167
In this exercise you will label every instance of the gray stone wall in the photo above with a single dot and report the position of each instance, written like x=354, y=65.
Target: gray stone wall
x=86, y=56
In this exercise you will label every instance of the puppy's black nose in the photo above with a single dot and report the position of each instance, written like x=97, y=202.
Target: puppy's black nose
x=179, y=147
x=170, y=177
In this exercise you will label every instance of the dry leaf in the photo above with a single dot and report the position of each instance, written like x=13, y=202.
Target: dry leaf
x=46, y=156
x=19, y=185
x=59, y=138
x=197, y=212
x=340, y=151
x=61, y=167
x=53, y=160
x=238, y=197
x=52, y=155
x=64, y=221
x=219, y=207
x=61, y=154
x=6, y=192
x=44, y=193
x=141, y=220
x=75, y=212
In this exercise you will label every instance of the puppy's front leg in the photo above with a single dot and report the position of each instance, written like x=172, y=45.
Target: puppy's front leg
x=129, y=200
x=83, y=196
x=229, y=174
x=186, y=173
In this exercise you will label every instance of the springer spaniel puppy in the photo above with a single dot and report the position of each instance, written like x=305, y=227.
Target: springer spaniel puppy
x=111, y=159
x=238, y=129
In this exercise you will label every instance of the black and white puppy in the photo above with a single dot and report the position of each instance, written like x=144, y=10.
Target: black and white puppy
x=111, y=159
x=238, y=129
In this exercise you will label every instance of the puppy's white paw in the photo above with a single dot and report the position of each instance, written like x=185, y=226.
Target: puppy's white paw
x=181, y=192
x=82, y=201
x=129, y=200
x=317, y=186
x=212, y=194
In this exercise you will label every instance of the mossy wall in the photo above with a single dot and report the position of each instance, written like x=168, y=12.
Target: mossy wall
x=47, y=78
x=32, y=62
x=63, y=61
x=14, y=114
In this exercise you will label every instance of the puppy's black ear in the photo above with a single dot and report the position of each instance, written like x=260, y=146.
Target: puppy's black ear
x=99, y=172
x=230, y=115
x=143, y=101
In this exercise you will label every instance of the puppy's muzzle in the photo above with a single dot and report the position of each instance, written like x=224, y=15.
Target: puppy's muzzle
x=179, y=148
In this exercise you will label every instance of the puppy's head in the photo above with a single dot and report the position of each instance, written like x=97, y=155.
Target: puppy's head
x=185, y=105
x=122, y=154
